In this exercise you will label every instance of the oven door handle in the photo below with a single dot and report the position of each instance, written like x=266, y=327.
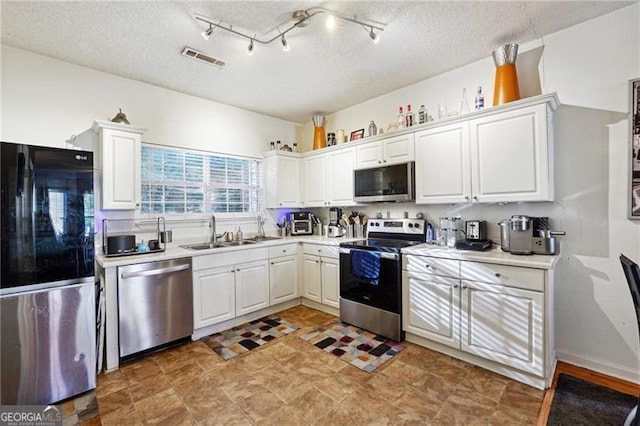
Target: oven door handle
x=383, y=254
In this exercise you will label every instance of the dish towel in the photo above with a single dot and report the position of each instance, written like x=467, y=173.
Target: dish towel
x=365, y=266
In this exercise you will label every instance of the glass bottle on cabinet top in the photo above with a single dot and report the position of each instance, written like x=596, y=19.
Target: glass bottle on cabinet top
x=464, y=105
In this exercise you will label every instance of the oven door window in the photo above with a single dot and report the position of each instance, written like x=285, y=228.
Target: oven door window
x=386, y=295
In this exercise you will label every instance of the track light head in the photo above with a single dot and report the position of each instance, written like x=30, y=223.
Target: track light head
x=207, y=33
x=374, y=36
x=250, y=48
x=331, y=21
x=285, y=45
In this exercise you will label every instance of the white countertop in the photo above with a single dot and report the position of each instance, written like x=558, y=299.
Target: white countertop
x=174, y=251
x=495, y=255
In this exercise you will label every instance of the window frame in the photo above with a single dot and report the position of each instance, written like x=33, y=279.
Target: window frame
x=208, y=192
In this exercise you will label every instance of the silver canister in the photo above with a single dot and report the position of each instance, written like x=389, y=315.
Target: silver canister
x=373, y=129
x=166, y=236
x=504, y=224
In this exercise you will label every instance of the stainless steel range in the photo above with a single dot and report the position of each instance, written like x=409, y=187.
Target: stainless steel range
x=371, y=275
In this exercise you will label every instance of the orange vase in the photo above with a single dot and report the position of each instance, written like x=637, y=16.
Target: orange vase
x=319, y=137
x=506, y=85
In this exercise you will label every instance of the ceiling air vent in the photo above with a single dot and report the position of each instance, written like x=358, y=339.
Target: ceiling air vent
x=194, y=54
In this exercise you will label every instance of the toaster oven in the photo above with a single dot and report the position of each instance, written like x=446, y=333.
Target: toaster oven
x=301, y=223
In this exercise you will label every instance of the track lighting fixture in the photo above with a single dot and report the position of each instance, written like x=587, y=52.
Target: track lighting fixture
x=250, y=48
x=374, y=36
x=207, y=33
x=299, y=19
x=285, y=45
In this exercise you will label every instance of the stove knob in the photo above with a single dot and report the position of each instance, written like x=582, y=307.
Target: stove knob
x=417, y=225
x=411, y=225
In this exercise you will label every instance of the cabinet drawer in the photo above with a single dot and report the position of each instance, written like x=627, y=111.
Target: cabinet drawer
x=283, y=250
x=214, y=260
x=321, y=250
x=432, y=266
x=511, y=276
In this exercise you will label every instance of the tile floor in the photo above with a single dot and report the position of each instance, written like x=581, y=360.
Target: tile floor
x=291, y=382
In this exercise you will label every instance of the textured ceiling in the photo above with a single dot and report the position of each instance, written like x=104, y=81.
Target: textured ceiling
x=323, y=72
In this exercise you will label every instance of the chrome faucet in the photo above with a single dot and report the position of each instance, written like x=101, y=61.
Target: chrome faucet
x=214, y=237
x=261, y=226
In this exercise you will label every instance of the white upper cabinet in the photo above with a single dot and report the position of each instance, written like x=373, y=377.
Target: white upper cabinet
x=120, y=151
x=315, y=180
x=282, y=180
x=511, y=156
x=329, y=178
x=394, y=150
x=443, y=172
x=501, y=156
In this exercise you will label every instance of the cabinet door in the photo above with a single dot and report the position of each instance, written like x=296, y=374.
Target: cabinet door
x=510, y=156
x=398, y=149
x=340, y=177
x=432, y=308
x=121, y=153
x=252, y=287
x=312, y=288
x=283, y=279
x=213, y=296
x=368, y=155
x=331, y=282
x=314, y=169
x=443, y=171
x=282, y=182
x=503, y=324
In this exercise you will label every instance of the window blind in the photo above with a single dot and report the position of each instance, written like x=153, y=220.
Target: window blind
x=180, y=182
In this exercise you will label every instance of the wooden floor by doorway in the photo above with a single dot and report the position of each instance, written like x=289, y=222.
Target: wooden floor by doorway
x=584, y=374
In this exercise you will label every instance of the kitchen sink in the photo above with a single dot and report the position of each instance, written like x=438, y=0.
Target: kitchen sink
x=258, y=239
x=207, y=246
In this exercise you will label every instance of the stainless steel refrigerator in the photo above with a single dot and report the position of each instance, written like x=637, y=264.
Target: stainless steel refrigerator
x=47, y=290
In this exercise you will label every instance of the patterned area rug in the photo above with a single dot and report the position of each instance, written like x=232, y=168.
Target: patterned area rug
x=360, y=348
x=248, y=336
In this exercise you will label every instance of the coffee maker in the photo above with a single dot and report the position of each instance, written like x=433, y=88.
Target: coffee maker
x=334, y=229
x=531, y=235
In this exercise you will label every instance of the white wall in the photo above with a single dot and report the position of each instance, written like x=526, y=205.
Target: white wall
x=589, y=66
x=46, y=101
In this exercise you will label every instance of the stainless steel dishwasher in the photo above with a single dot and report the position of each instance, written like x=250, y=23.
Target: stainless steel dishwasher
x=155, y=304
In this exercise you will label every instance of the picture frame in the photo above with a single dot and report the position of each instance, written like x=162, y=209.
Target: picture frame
x=634, y=134
x=359, y=134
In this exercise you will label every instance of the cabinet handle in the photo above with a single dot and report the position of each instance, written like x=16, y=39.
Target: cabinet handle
x=233, y=270
x=284, y=251
x=464, y=287
x=384, y=161
x=427, y=266
x=317, y=261
x=272, y=263
x=456, y=286
x=498, y=274
x=379, y=162
x=466, y=197
x=475, y=197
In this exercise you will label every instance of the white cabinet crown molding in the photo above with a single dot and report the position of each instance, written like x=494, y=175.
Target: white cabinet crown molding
x=104, y=124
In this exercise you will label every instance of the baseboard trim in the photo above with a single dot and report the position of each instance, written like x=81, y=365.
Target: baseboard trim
x=609, y=369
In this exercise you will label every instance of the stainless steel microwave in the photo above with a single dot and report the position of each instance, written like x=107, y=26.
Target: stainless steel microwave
x=387, y=183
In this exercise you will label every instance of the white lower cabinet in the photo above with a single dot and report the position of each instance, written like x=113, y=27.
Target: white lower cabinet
x=252, y=286
x=283, y=273
x=321, y=274
x=213, y=296
x=433, y=308
x=495, y=312
x=503, y=324
x=229, y=284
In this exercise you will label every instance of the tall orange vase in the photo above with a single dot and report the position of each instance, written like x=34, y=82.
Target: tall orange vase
x=506, y=87
x=319, y=137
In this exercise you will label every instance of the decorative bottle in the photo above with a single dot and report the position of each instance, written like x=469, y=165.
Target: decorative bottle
x=464, y=105
x=422, y=115
x=400, y=118
x=479, y=103
x=409, y=117
x=319, y=137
